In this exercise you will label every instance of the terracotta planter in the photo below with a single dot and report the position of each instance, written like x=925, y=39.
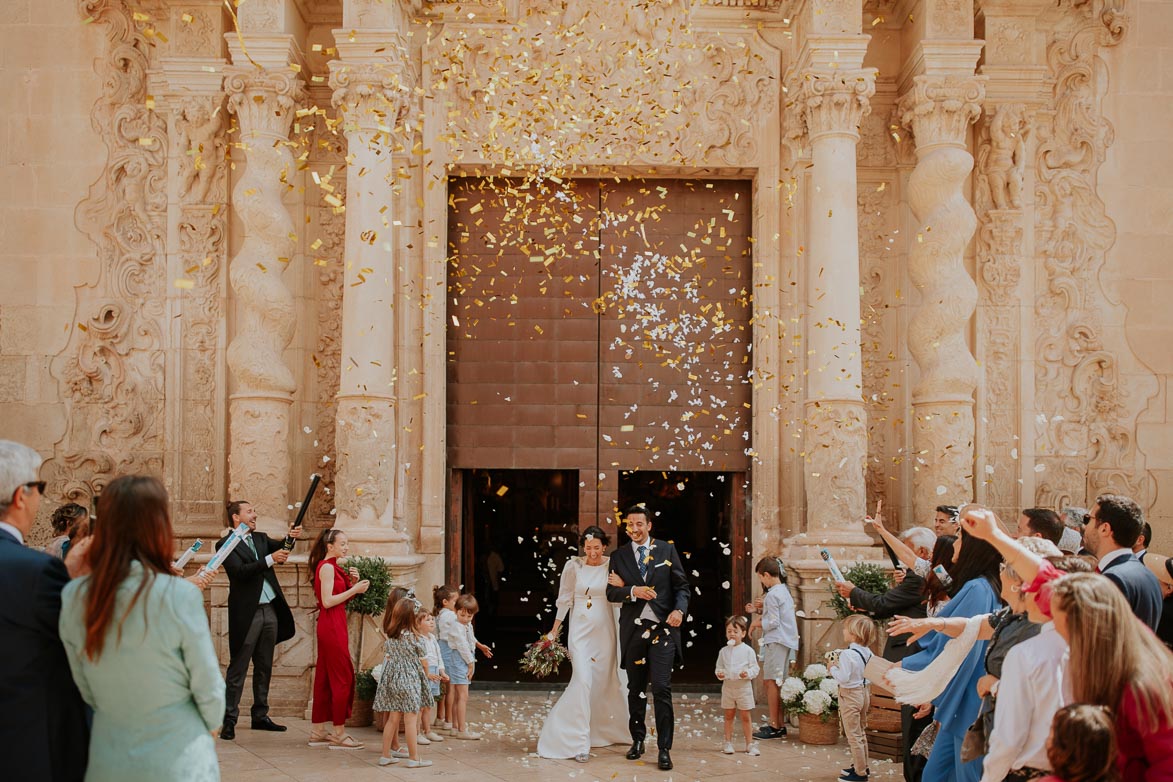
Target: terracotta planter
x=812, y=729
x=361, y=714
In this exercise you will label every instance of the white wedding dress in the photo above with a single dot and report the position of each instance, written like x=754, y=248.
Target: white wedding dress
x=592, y=712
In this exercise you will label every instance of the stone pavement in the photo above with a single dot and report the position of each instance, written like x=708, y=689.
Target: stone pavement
x=511, y=722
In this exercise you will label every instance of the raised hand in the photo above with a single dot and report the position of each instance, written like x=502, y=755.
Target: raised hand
x=979, y=522
x=844, y=588
x=914, y=628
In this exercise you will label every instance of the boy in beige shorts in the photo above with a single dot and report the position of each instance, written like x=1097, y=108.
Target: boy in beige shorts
x=737, y=666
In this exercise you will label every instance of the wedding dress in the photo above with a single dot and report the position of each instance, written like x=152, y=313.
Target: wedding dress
x=592, y=712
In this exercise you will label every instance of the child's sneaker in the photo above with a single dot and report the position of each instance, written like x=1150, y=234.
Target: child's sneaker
x=467, y=735
x=752, y=749
x=422, y=740
x=728, y=748
x=446, y=725
x=851, y=776
x=400, y=753
x=433, y=736
x=769, y=732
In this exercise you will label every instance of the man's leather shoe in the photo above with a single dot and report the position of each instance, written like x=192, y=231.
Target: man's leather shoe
x=228, y=731
x=636, y=751
x=665, y=760
x=267, y=724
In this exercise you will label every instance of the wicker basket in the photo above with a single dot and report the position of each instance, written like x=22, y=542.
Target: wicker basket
x=812, y=729
x=360, y=714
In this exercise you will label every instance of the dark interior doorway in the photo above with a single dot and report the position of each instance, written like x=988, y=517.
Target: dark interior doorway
x=520, y=527
x=702, y=514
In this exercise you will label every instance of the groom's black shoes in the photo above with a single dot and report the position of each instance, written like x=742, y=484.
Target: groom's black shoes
x=636, y=751
x=665, y=760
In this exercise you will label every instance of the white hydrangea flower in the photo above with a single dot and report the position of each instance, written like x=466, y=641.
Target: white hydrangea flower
x=792, y=688
x=815, y=671
x=830, y=686
x=816, y=701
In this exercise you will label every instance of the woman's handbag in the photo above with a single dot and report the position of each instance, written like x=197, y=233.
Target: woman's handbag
x=924, y=743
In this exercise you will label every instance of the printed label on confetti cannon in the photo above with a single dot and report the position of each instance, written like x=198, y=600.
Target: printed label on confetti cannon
x=231, y=543
x=836, y=573
x=186, y=556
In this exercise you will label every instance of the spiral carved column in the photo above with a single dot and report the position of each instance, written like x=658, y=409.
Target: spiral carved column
x=259, y=410
x=939, y=110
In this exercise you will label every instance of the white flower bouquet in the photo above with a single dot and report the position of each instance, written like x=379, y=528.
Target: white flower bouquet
x=815, y=692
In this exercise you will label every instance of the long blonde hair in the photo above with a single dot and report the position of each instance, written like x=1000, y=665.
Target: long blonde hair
x=1112, y=650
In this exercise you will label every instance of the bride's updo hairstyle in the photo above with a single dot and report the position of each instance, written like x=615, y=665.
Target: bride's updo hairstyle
x=594, y=533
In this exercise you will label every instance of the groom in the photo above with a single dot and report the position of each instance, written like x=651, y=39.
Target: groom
x=655, y=600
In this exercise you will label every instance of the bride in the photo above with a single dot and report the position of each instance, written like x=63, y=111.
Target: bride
x=592, y=712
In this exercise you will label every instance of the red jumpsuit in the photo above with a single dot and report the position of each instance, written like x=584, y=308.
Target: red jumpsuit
x=334, y=674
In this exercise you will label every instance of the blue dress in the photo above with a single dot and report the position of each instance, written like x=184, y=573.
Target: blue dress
x=157, y=693
x=957, y=706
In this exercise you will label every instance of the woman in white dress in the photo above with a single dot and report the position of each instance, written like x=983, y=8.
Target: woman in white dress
x=592, y=712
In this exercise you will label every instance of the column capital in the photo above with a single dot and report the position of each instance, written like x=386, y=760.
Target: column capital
x=830, y=101
x=371, y=96
x=938, y=109
x=263, y=100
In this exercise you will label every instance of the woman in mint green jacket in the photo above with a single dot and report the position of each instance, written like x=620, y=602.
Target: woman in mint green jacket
x=139, y=647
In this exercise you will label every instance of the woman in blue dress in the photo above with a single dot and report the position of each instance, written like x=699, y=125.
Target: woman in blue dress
x=976, y=585
x=139, y=647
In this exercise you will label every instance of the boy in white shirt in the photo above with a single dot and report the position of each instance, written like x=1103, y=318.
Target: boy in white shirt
x=779, y=643
x=854, y=698
x=737, y=667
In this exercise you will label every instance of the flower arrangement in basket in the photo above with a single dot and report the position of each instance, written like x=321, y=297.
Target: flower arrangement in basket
x=543, y=657
x=814, y=697
x=815, y=692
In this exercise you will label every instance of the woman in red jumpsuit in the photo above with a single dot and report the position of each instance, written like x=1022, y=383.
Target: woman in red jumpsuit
x=334, y=674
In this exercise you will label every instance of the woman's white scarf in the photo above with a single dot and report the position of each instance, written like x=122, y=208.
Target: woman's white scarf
x=917, y=687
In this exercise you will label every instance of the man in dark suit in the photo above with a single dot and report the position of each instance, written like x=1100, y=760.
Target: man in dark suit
x=654, y=599
x=1113, y=527
x=906, y=598
x=42, y=718
x=258, y=617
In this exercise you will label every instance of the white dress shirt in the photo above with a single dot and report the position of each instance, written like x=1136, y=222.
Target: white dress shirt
x=1033, y=687
x=1112, y=556
x=779, y=625
x=849, y=671
x=647, y=615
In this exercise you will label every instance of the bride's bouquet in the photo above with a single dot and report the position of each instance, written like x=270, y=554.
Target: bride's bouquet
x=543, y=657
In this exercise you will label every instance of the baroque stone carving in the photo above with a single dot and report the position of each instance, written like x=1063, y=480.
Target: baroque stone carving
x=112, y=367
x=259, y=464
x=1002, y=159
x=876, y=146
x=875, y=323
x=327, y=355
x=200, y=126
x=835, y=463
x=939, y=109
x=370, y=96
x=197, y=37
x=1087, y=413
x=830, y=101
x=600, y=101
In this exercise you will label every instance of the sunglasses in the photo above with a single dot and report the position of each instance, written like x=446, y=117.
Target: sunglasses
x=40, y=485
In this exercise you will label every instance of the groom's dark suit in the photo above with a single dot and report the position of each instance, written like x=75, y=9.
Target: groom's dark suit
x=649, y=648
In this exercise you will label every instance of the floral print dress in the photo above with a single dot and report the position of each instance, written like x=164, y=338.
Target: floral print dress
x=403, y=685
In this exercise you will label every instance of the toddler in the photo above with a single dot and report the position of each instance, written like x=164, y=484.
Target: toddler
x=444, y=603
x=425, y=628
x=737, y=667
x=779, y=642
x=847, y=668
x=1082, y=747
x=461, y=662
x=403, y=686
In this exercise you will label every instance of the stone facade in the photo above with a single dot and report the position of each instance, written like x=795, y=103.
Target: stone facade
x=190, y=197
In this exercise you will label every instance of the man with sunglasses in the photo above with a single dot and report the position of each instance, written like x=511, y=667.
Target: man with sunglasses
x=42, y=717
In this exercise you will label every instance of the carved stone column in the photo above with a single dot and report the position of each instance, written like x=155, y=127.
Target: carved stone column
x=830, y=103
x=939, y=110
x=259, y=412
x=370, y=91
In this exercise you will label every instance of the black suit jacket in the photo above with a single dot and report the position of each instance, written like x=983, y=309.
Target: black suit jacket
x=43, y=729
x=905, y=599
x=246, y=576
x=1140, y=587
x=665, y=575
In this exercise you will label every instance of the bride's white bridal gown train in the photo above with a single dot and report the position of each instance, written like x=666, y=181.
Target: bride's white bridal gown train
x=592, y=712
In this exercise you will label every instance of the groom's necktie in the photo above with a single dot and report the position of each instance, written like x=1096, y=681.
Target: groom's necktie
x=643, y=562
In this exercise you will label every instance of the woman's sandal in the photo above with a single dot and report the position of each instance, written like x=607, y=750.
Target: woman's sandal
x=322, y=740
x=345, y=742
